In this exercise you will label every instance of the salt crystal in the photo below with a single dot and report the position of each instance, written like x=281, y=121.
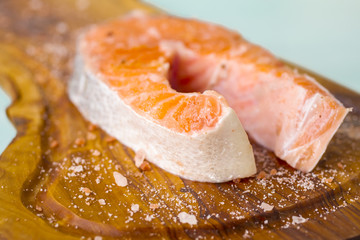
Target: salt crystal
x=102, y=202
x=77, y=169
x=77, y=160
x=85, y=190
x=154, y=206
x=97, y=180
x=96, y=153
x=187, y=218
x=120, y=180
x=266, y=207
x=134, y=207
x=97, y=238
x=246, y=234
x=139, y=157
x=298, y=220
x=148, y=218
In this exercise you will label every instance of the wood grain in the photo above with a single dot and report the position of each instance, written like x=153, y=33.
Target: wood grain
x=53, y=188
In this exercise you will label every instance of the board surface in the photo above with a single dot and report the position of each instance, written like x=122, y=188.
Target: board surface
x=52, y=186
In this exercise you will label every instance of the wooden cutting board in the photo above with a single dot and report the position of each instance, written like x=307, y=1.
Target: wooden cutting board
x=53, y=186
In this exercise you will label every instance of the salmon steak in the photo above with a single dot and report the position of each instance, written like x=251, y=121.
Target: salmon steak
x=183, y=91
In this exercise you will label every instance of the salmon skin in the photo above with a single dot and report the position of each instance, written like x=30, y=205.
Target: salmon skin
x=181, y=90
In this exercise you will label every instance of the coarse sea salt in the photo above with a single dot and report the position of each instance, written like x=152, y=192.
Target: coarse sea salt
x=139, y=157
x=135, y=207
x=187, y=218
x=76, y=169
x=266, y=207
x=120, y=180
x=298, y=219
x=102, y=202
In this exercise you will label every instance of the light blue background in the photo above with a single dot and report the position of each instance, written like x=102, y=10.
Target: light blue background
x=7, y=131
x=321, y=35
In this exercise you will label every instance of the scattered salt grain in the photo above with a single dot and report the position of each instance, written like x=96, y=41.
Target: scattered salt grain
x=97, y=180
x=246, y=234
x=298, y=220
x=148, y=218
x=139, y=157
x=85, y=190
x=187, y=218
x=96, y=153
x=97, y=167
x=134, y=207
x=77, y=160
x=97, y=238
x=266, y=207
x=120, y=180
x=102, y=202
x=154, y=206
x=38, y=208
x=77, y=169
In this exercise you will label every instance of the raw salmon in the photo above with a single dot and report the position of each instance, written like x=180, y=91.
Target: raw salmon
x=157, y=83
